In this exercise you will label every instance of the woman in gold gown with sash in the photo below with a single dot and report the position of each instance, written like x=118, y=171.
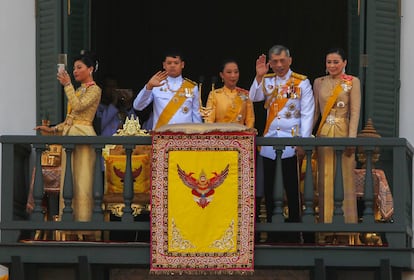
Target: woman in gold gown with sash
x=338, y=100
x=230, y=103
x=82, y=105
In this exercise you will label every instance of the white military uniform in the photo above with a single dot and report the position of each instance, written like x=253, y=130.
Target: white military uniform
x=161, y=96
x=296, y=117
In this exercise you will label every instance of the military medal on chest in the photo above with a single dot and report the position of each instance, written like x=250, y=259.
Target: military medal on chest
x=188, y=93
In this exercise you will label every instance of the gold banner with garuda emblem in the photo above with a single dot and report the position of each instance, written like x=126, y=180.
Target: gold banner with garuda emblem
x=202, y=203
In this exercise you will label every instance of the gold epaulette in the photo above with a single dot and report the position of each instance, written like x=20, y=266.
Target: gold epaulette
x=242, y=90
x=269, y=75
x=190, y=81
x=299, y=76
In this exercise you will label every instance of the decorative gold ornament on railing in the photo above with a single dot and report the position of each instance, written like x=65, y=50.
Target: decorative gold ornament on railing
x=368, y=131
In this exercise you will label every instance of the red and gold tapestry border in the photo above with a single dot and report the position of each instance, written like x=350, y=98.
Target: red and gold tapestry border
x=181, y=163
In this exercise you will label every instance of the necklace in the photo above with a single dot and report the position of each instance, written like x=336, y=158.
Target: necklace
x=231, y=98
x=168, y=87
x=333, y=82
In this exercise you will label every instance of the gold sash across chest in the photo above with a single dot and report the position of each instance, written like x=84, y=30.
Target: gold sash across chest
x=275, y=103
x=329, y=104
x=175, y=103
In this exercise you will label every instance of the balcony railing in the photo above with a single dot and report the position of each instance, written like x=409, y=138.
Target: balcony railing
x=21, y=153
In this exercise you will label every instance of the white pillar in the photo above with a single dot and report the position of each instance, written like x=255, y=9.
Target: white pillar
x=17, y=68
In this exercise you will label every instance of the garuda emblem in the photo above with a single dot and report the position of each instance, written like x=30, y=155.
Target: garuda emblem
x=121, y=174
x=203, y=187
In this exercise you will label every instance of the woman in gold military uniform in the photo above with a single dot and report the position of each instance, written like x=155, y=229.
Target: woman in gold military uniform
x=338, y=100
x=230, y=104
x=82, y=105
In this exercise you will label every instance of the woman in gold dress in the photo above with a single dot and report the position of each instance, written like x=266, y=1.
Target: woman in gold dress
x=82, y=105
x=230, y=103
x=338, y=100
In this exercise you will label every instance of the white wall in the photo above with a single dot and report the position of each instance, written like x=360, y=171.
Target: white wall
x=17, y=68
x=407, y=64
x=406, y=91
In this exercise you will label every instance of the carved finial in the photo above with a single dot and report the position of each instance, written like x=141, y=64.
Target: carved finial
x=368, y=131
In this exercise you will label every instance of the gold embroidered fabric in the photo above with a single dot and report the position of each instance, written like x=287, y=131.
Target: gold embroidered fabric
x=82, y=109
x=203, y=127
x=230, y=106
x=84, y=103
x=202, y=203
x=342, y=121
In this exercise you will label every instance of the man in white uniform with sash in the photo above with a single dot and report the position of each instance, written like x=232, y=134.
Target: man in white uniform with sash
x=175, y=98
x=290, y=107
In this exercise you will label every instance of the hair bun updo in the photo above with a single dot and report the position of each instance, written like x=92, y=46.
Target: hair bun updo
x=89, y=58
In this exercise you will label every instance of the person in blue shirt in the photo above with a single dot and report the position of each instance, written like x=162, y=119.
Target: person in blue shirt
x=115, y=106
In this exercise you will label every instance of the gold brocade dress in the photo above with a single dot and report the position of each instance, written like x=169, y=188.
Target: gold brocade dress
x=82, y=106
x=230, y=106
x=342, y=121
